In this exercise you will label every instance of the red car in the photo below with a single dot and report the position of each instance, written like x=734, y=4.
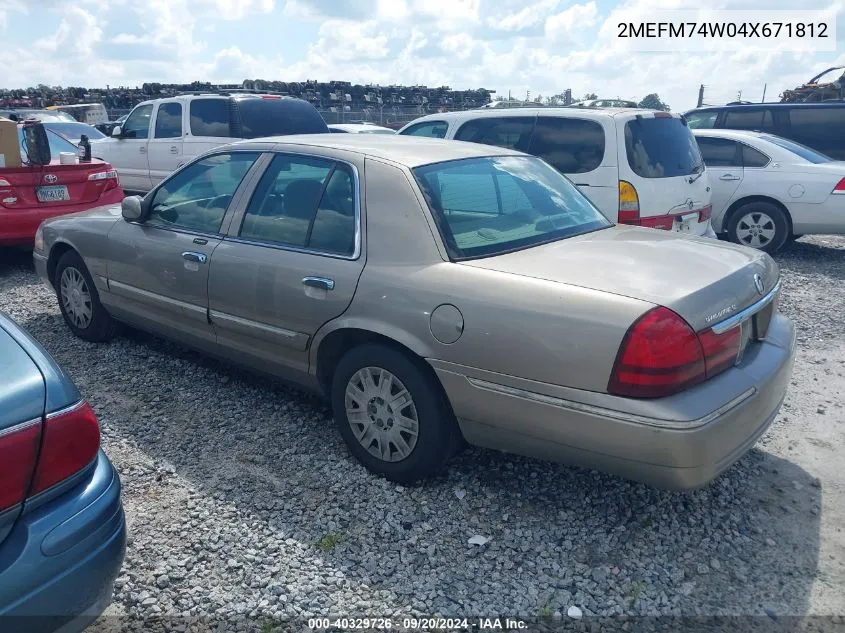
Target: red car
x=32, y=193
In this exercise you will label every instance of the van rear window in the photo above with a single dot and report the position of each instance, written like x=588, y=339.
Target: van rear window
x=661, y=147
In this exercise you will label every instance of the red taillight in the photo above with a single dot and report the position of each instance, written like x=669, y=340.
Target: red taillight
x=271, y=97
x=662, y=355
x=720, y=350
x=110, y=176
x=705, y=213
x=840, y=187
x=71, y=441
x=629, y=204
x=18, y=452
x=664, y=222
x=662, y=115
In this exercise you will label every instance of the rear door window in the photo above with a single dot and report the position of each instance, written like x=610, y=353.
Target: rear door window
x=432, y=129
x=719, y=152
x=510, y=132
x=661, y=147
x=572, y=146
x=820, y=128
x=757, y=119
x=752, y=158
x=210, y=117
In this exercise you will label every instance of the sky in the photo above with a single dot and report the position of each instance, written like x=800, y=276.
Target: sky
x=541, y=46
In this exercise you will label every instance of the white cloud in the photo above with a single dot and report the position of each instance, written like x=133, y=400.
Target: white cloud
x=460, y=45
x=575, y=18
x=529, y=16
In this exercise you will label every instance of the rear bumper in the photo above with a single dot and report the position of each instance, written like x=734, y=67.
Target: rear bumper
x=58, y=565
x=679, y=443
x=18, y=226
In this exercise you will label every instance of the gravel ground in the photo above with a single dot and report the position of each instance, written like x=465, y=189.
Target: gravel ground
x=241, y=498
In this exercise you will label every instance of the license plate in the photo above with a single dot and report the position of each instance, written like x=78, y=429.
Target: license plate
x=53, y=193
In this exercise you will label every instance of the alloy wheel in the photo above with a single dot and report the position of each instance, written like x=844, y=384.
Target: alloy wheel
x=76, y=297
x=756, y=229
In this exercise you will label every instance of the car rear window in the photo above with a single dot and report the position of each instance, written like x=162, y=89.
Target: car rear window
x=57, y=144
x=803, y=151
x=493, y=205
x=661, y=147
x=75, y=130
x=278, y=117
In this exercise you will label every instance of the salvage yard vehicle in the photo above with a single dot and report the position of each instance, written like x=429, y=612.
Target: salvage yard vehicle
x=767, y=189
x=62, y=528
x=639, y=167
x=820, y=126
x=442, y=292
x=161, y=135
x=30, y=194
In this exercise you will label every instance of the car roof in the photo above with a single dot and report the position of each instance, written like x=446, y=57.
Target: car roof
x=584, y=113
x=410, y=151
x=728, y=133
x=777, y=106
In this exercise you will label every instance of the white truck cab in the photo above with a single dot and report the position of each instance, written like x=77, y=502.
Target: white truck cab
x=160, y=135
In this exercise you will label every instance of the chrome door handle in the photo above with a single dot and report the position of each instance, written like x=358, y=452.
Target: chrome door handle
x=143, y=149
x=191, y=256
x=728, y=177
x=173, y=150
x=318, y=282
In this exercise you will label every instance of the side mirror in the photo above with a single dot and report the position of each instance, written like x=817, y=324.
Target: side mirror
x=116, y=131
x=132, y=208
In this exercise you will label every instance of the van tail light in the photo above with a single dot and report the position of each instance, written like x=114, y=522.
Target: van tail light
x=661, y=355
x=840, y=187
x=110, y=176
x=705, y=213
x=71, y=441
x=629, y=204
x=18, y=453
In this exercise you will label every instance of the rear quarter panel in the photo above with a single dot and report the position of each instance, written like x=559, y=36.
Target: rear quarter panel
x=513, y=325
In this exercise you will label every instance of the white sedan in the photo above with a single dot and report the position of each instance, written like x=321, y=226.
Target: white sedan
x=767, y=189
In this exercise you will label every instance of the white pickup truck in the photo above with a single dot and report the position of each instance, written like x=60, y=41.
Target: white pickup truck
x=161, y=135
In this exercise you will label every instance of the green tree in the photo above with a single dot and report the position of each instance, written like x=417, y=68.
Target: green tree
x=590, y=96
x=653, y=102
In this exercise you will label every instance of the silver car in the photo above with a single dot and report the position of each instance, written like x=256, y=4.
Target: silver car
x=441, y=292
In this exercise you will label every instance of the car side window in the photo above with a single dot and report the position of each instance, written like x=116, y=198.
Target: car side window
x=752, y=158
x=572, y=146
x=701, y=120
x=197, y=197
x=510, y=132
x=304, y=203
x=719, y=152
x=169, y=121
x=749, y=119
x=137, y=124
x=432, y=129
x=210, y=117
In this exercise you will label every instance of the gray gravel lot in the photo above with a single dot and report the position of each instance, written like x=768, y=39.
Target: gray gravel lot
x=242, y=499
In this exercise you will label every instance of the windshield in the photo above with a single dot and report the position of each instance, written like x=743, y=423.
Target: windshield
x=75, y=130
x=803, y=151
x=57, y=144
x=661, y=147
x=493, y=205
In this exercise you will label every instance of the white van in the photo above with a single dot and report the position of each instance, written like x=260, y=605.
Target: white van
x=639, y=167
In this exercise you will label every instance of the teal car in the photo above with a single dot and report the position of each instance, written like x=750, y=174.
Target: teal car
x=62, y=527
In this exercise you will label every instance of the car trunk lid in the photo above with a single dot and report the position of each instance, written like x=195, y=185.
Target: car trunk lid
x=55, y=185
x=703, y=280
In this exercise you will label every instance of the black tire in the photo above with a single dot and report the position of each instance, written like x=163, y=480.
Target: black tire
x=438, y=436
x=101, y=326
x=762, y=217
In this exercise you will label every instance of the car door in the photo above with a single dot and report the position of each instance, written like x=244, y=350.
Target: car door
x=164, y=151
x=584, y=150
x=158, y=267
x=290, y=262
x=723, y=160
x=129, y=156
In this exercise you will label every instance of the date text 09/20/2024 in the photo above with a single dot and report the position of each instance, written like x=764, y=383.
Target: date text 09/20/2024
x=447, y=624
